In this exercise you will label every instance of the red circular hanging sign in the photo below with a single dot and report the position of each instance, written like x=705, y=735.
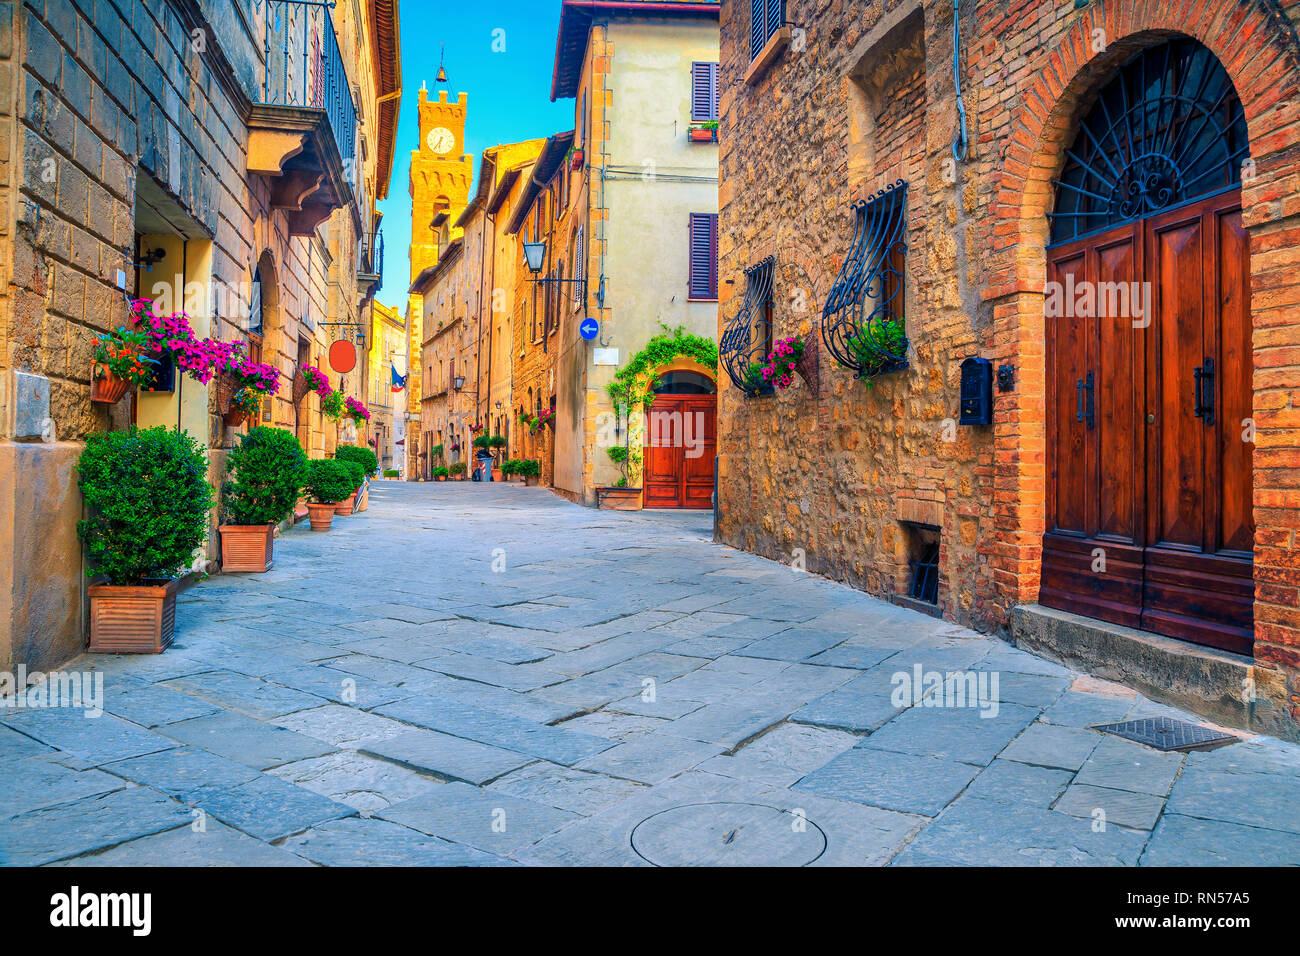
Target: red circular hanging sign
x=343, y=356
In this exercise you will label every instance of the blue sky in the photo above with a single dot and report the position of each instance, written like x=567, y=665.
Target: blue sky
x=509, y=95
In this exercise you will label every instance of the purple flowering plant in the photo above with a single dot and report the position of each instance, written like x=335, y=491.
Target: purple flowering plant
x=781, y=361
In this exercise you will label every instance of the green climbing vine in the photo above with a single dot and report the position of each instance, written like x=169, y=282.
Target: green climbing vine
x=634, y=382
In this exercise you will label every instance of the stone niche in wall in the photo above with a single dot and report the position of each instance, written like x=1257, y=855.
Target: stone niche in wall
x=886, y=69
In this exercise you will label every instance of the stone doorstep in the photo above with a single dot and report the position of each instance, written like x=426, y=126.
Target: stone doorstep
x=1204, y=680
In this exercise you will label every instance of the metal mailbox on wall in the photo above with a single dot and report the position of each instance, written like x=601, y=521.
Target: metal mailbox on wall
x=976, y=392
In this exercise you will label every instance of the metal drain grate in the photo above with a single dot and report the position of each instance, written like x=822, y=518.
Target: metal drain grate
x=1165, y=733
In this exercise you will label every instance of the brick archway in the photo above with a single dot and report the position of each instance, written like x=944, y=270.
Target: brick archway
x=1258, y=47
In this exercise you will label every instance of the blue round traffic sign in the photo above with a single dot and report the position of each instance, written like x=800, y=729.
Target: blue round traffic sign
x=589, y=328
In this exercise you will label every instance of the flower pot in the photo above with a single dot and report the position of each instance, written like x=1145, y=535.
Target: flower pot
x=498, y=474
x=225, y=393
x=344, y=507
x=234, y=416
x=321, y=515
x=618, y=499
x=138, y=619
x=809, y=364
x=106, y=387
x=299, y=386
x=575, y=160
x=246, y=547
x=702, y=135
x=442, y=478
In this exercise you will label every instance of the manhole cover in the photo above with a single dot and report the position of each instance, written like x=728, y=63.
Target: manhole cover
x=1165, y=733
x=728, y=834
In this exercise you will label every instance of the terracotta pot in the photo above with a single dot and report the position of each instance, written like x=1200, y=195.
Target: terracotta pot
x=106, y=387
x=246, y=547
x=344, y=507
x=618, y=499
x=235, y=417
x=138, y=619
x=321, y=515
x=703, y=135
x=498, y=474
x=442, y=478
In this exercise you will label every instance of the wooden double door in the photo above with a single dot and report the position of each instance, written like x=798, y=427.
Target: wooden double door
x=681, y=444
x=1149, y=520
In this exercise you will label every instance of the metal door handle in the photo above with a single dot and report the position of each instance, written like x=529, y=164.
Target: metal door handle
x=1084, y=412
x=1203, y=391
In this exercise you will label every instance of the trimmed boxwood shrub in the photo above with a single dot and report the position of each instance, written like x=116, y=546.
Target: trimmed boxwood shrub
x=364, y=457
x=457, y=468
x=391, y=473
x=147, y=497
x=357, y=473
x=269, y=469
x=329, y=481
x=440, y=472
x=528, y=467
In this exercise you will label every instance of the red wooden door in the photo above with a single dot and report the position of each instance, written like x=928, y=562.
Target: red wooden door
x=681, y=443
x=1149, y=519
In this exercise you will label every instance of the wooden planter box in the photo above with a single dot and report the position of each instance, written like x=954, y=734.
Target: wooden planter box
x=344, y=507
x=618, y=499
x=246, y=547
x=322, y=516
x=137, y=619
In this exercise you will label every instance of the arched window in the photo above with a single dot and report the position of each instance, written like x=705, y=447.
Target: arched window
x=684, y=383
x=1166, y=129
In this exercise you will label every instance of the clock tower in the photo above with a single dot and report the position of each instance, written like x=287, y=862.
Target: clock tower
x=441, y=171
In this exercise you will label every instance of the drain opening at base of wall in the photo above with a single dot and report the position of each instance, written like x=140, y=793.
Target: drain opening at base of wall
x=1166, y=733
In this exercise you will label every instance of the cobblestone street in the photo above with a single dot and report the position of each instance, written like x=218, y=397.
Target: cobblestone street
x=487, y=674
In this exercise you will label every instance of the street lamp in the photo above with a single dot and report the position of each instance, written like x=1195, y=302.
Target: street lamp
x=534, y=256
x=458, y=382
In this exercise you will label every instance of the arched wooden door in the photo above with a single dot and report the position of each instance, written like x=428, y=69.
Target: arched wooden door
x=681, y=441
x=1149, y=361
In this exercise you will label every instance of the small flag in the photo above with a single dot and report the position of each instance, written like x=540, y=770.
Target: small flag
x=399, y=381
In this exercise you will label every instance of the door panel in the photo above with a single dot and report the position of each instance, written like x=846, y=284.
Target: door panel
x=681, y=443
x=1158, y=485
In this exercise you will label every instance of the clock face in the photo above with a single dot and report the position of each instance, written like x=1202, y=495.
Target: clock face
x=441, y=140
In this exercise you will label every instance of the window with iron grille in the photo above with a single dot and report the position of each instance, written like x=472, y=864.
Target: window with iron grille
x=704, y=92
x=702, y=282
x=863, y=322
x=765, y=18
x=747, y=338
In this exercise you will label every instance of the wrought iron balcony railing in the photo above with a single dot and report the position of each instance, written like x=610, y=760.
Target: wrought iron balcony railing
x=304, y=68
x=863, y=322
x=370, y=257
x=747, y=338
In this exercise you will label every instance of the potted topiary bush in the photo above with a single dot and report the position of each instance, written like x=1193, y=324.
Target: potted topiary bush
x=357, y=477
x=457, y=470
x=328, y=483
x=440, y=473
x=147, y=500
x=369, y=463
x=269, y=469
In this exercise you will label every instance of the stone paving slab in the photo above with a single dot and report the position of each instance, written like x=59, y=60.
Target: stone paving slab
x=492, y=822
x=83, y=826
x=706, y=689
x=453, y=758
x=253, y=743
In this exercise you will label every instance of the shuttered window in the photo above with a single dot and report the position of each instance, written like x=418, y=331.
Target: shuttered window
x=704, y=92
x=703, y=280
x=765, y=18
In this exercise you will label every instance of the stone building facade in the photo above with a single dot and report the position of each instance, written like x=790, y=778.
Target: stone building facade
x=155, y=149
x=542, y=213
x=833, y=103
x=386, y=353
